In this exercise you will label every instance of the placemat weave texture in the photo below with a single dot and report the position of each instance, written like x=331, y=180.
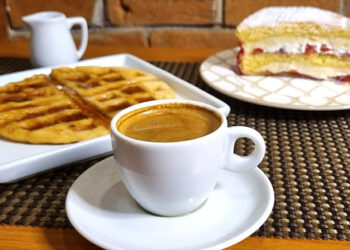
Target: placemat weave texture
x=307, y=161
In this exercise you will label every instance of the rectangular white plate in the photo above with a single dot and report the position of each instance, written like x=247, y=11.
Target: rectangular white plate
x=19, y=160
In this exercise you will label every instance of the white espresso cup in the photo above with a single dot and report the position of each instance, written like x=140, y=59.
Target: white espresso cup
x=174, y=178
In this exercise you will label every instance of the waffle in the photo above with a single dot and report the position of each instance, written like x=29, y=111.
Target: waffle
x=111, y=89
x=73, y=104
x=36, y=111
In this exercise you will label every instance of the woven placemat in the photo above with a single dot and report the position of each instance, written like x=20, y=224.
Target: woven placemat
x=307, y=161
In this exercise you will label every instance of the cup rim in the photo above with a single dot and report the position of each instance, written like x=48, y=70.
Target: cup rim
x=115, y=131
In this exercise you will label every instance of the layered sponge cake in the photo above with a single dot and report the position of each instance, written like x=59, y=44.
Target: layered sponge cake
x=303, y=41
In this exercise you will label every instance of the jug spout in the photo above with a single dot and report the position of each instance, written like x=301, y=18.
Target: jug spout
x=44, y=16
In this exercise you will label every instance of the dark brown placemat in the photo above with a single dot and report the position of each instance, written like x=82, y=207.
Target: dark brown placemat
x=307, y=161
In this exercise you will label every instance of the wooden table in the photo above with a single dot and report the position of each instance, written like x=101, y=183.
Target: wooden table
x=26, y=237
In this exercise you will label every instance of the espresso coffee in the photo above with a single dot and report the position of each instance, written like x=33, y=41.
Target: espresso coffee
x=169, y=122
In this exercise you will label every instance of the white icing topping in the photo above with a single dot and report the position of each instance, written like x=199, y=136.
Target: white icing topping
x=273, y=15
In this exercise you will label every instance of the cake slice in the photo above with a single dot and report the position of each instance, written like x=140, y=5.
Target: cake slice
x=302, y=41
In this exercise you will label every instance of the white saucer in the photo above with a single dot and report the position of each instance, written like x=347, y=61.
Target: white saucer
x=101, y=209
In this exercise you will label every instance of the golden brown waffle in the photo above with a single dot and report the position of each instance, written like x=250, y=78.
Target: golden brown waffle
x=74, y=104
x=111, y=89
x=36, y=111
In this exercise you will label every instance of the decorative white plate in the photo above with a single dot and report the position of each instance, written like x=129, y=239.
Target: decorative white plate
x=19, y=160
x=101, y=209
x=220, y=72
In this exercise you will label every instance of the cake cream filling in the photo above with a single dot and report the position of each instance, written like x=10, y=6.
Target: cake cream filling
x=296, y=48
x=298, y=45
x=304, y=69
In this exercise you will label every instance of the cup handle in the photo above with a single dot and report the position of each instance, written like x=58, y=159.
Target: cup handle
x=84, y=33
x=237, y=163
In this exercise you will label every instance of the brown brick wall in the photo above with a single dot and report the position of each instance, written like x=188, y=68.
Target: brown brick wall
x=193, y=38
x=134, y=38
x=18, y=8
x=3, y=25
x=160, y=12
x=152, y=23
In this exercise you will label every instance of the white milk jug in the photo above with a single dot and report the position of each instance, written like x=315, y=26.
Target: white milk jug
x=51, y=39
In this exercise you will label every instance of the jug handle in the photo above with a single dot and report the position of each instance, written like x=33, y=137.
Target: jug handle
x=84, y=33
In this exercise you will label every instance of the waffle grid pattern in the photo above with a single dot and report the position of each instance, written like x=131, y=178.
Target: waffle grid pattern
x=110, y=90
x=35, y=111
x=307, y=161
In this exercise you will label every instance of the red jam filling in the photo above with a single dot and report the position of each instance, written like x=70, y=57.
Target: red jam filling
x=324, y=48
x=309, y=49
x=343, y=78
x=257, y=51
x=240, y=55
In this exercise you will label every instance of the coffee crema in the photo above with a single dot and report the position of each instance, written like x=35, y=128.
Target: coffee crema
x=169, y=122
